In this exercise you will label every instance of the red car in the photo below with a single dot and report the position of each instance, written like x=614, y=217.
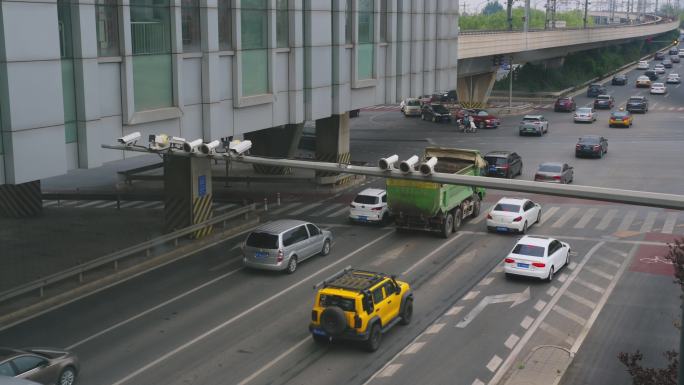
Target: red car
x=565, y=103
x=482, y=118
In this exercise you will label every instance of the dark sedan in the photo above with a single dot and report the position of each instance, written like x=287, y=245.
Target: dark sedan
x=595, y=90
x=637, y=104
x=591, y=145
x=565, y=103
x=667, y=63
x=435, y=113
x=604, y=101
x=42, y=365
x=651, y=75
x=659, y=56
x=619, y=80
x=505, y=164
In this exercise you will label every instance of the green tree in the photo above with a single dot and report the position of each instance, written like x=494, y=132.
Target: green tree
x=491, y=8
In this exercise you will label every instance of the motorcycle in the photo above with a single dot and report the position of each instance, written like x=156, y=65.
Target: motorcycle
x=466, y=127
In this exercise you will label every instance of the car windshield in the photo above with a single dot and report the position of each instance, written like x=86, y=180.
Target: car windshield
x=589, y=140
x=366, y=199
x=413, y=103
x=584, y=110
x=507, y=207
x=440, y=109
x=531, y=250
x=635, y=100
x=493, y=160
x=550, y=168
x=603, y=97
x=262, y=240
x=531, y=119
x=346, y=304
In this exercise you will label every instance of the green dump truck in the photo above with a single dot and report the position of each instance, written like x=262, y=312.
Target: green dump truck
x=424, y=205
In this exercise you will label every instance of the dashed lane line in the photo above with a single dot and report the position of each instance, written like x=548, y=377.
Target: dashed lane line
x=471, y=295
x=616, y=251
x=305, y=208
x=273, y=362
x=414, y=347
x=433, y=252
x=454, y=310
x=526, y=322
x=338, y=212
x=390, y=370
x=539, y=305
x=331, y=207
x=605, y=221
x=579, y=299
x=511, y=341
x=494, y=363
x=551, y=290
x=569, y=315
x=130, y=204
x=91, y=203
x=561, y=278
x=598, y=272
x=484, y=209
x=108, y=204
x=49, y=203
x=286, y=206
x=486, y=281
x=478, y=382
x=434, y=329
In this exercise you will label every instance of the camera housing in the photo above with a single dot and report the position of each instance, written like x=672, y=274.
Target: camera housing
x=130, y=139
x=209, y=148
x=388, y=163
x=407, y=166
x=240, y=147
x=192, y=146
x=427, y=168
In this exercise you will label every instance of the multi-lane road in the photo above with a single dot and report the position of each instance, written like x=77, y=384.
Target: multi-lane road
x=206, y=320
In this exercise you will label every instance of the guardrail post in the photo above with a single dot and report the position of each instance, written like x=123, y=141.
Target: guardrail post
x=278, y=198
x=265, y=204
x=175, y=241
x=118, y=201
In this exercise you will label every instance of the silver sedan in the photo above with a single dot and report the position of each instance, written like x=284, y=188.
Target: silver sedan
x=585, y=114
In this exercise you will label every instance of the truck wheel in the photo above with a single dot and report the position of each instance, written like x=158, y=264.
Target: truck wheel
x=448, y=225
x=457, y=219
x=476, y=206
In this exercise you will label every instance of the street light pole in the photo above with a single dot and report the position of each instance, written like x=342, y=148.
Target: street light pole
x=510, y=84
x=586, y=8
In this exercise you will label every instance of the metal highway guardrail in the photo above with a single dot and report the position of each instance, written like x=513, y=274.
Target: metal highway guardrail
x=115, y=257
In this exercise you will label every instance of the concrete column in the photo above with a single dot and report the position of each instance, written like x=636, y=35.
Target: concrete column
x=473, y=91
x=21, y=200
x=211, y=98
x=188, y=193
x=332, y=144
x=279, y=142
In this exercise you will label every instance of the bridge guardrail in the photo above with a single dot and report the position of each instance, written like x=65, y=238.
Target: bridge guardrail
x=115, y=257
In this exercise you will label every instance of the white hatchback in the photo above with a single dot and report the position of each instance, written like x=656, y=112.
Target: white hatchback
x=643, y=65
x=513, y=214
x=537, y=257
x=370, y=205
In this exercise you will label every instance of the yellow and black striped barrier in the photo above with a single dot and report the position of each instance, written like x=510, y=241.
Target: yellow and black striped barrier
x=202, y=211
x=21, y=200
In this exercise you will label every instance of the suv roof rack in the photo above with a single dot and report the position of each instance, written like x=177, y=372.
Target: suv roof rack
x=353, y=279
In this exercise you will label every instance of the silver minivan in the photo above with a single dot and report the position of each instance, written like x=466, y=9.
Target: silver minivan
x=282, y=244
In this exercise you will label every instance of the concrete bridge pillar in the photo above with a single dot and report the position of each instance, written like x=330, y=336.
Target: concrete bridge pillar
x=188, y=193
x=332, y=144
x=21, y=200
x=474, y=90
x=279, y=142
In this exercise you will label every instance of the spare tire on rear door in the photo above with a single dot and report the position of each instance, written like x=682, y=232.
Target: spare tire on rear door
x=333, y=320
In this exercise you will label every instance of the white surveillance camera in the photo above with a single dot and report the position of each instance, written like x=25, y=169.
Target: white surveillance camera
x=388, y=163
x=192, y=146
x=129, y=139
x=177, y=142
x=240, y=147
x=407, y=166
x=428, y=167
x=209, y=148
x=159, y=142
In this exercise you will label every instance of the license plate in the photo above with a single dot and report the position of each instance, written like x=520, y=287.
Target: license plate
x=524, y=265
x=363, y=218
x=260, y=254
x=502, y=229
x=318, y=332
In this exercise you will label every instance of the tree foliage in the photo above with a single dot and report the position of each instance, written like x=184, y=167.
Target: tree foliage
x=497, y=20
x=492, y=7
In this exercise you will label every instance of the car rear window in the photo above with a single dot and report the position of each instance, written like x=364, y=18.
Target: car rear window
x=507, y=207
x=619, y=114
x=531, y=250
x=584, y=110
x=413, y=103
x=603, y=97
x=366, y=199
x=262, y=240
x=550, y=168
x=589, y=140
x=346, y=304
x=531, y=119
x=635, y=100
x=496, y=160
x=440, y=109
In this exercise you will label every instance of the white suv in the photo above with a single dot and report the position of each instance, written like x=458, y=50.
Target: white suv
x=370, y=205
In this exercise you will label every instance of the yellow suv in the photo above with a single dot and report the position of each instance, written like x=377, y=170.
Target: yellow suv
x=359, y=305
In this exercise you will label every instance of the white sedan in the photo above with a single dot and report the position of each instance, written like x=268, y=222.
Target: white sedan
x=537, y=257
x=643, y=65
x=513, y=215
x=658, y=89
x=673, y=78
x=584, y=114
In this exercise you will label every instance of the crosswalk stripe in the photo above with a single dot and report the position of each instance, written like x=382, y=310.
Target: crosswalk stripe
x=483, y=214
x=565, y=217
x=589, y=285
x=148, y=205
x=670, y=221
x=49, y=203
x=331, y=207
x=338, y=212
x=582, y=223
x=627, y=221
x=109, y=203
x=605, y=221
x=91, y=203
x=548, y=214
x=609, y=261
x=305, y=208
x=286, y=207
x=579, y=299
x=130, y=204
x=647, y=226
x=598, y=272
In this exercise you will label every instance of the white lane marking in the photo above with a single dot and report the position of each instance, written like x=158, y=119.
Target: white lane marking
x=526, y=322
x=576, y=238
x=627, y=221
x=155, y=203
x=647, y=226
x=599, y=272
x=456, y=264
x=339, y=212
x=569, y=315
x=511, y=341
x=286, y=206
x=552, y=290
x=590, y=285
x=494, y=363
x=305, y=208
x=605, y=221
x=434, y=329
x=616, y=251
x=270, y=364
x=562, y=277
x=49, y=203
x=454, y=310
x=130, y=204
x=608, y=261
x=108, y=204
x=539, y=305
x=572, y=265
x=477, y=382
x=557, y=333
x=582, y=223
x=486, y=281
x=414, y=347
x=331, y=207
x=528, y=334
x=471, y=294
x=602, y=302
x=579, y=299
x=215, y=329
x=499, y=269
x=548, y=214
x=445, y=244
x=565, y=217
x=483, y=214
x=91, y=203
x=670, y=221
x=389, y=371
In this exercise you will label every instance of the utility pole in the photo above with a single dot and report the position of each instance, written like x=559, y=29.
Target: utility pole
x=586, y=8
x=464, y=8
x=553, y=14
x=526, y=22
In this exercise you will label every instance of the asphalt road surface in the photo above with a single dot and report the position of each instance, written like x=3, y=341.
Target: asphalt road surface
x=206, y=320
